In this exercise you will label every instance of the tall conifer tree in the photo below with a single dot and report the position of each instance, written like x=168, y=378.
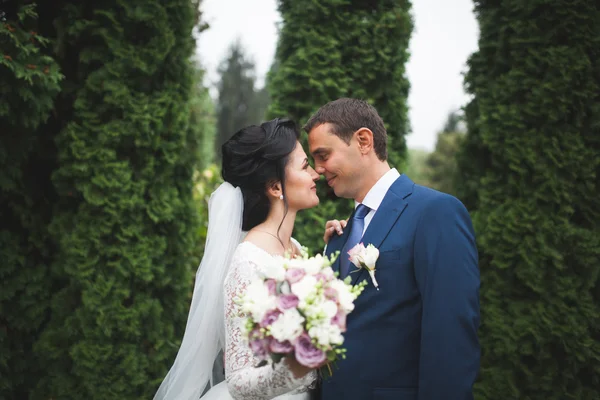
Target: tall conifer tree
x=531, y=165
x=331, y=49
x=239, y=103
x=29, y=83
x=123, y=219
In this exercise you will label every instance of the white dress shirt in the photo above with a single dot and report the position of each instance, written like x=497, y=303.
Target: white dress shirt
x=375, y=196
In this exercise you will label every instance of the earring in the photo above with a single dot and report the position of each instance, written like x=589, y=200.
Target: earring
x=281, y=197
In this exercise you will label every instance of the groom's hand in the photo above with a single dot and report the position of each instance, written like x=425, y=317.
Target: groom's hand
x=333, y=226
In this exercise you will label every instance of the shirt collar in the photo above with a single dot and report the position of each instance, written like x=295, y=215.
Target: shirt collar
x=375, y=196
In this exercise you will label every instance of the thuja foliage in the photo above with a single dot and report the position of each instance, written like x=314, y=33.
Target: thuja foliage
x=99, y=222
x=531, y=176
x=29, y=83
x=340, y=48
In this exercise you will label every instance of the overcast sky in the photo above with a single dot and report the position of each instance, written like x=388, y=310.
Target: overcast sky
x=445, y=35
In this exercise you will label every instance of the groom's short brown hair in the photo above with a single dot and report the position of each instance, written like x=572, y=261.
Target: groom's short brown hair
x=346, y=116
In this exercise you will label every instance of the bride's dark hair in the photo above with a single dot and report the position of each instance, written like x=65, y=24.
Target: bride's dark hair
x=254, y=158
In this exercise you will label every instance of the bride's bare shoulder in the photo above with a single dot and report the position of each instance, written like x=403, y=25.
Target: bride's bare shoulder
x=249, y=251
x=257, y=239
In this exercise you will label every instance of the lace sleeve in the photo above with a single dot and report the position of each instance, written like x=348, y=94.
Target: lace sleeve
x=244, y=380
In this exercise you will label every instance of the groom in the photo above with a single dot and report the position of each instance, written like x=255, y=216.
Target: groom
x=416, y=337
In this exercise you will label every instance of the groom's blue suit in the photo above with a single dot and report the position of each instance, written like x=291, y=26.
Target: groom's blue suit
x=415, y=338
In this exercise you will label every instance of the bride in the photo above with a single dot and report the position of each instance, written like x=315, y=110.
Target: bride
x=251, y=218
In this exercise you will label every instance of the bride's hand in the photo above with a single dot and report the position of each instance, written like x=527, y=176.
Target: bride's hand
x=299, y=370
x=332, y=226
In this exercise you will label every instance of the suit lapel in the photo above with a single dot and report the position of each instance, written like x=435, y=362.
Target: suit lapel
x=385, y=217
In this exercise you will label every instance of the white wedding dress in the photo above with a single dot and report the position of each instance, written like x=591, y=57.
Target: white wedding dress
x=243, y=380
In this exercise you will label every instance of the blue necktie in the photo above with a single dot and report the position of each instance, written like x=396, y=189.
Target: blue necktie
x=356, y=231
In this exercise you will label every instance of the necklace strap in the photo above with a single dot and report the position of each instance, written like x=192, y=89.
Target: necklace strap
x=279, y=239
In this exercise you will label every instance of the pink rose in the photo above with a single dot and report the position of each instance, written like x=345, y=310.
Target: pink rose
x=340, y=320
x=270, y=317
x=272, y=286
x=307, y=354
x=294, y=275
x=281, y=347
x=260, y=348
x=331, y=294
x=355, y=254
x=287, y=301
x=258, y=345
x=254, y=333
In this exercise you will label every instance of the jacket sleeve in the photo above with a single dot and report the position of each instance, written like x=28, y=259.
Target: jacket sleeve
x=447, y=274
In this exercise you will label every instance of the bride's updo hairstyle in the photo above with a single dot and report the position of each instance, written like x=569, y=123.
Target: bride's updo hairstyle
x=255, y=158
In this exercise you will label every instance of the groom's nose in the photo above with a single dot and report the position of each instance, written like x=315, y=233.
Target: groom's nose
x=320, y=170
x=313, y=174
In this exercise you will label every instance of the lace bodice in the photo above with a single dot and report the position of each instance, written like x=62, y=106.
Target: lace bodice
x=244, y=380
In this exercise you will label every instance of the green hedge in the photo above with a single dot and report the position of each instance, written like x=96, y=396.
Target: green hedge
x=534, y=129
x=101, y=235
x=331, y=49
x=30, y=81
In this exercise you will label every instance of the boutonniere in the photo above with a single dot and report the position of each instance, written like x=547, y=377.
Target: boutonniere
x=365, y=257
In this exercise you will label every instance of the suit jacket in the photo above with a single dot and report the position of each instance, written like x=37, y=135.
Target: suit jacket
x=416, y=337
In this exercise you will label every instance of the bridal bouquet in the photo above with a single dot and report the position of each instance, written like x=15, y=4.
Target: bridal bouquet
x=298, y=307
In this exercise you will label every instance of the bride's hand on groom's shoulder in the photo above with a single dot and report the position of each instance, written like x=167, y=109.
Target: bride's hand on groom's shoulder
x=334, y=226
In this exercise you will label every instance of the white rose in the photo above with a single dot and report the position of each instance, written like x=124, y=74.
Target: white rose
x=305, y=287
x=312, y=310
x=328, y=273
x=288, y=326
x=330, y=309
x=257, y=300
x=369, y=256
x=326, y=334
x=320, y=310
x=345, y=296
x=313, y=265
x=295, y=263
x=274, y=269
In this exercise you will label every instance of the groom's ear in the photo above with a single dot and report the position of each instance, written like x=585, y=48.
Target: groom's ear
x=364, y=137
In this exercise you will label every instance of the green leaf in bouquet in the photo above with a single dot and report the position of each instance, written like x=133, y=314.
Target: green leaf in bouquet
x=262, y=363
x=331, y=356
x=276, y=358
